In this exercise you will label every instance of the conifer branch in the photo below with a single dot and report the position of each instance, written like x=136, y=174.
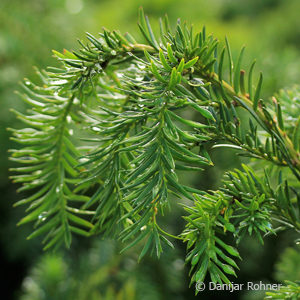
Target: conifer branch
x=125, y=103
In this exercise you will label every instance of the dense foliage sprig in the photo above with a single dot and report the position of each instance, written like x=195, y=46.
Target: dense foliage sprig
x=109, y=131
x=291, y=290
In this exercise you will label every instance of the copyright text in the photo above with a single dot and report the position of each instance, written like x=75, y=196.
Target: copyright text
x=250, y=286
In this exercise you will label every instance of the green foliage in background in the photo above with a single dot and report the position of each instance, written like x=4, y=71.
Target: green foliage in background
x=288, y=265
x=48, y=279
x=102, y=273
x=109, y=131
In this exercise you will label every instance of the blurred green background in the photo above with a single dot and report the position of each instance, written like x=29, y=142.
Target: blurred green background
x=93, y=269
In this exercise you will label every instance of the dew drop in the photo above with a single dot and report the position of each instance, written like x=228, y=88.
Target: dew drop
x=42, y=216
x=98, y=67
x=82, y=160
x=139, y=78
x=95, y=128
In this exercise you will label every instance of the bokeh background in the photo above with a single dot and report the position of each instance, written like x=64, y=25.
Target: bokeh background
x=93, y=268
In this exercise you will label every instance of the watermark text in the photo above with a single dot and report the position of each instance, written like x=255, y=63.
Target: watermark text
x=249, y=286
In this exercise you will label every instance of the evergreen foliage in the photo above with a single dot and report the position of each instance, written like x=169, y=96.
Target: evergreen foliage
x=107, y=134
